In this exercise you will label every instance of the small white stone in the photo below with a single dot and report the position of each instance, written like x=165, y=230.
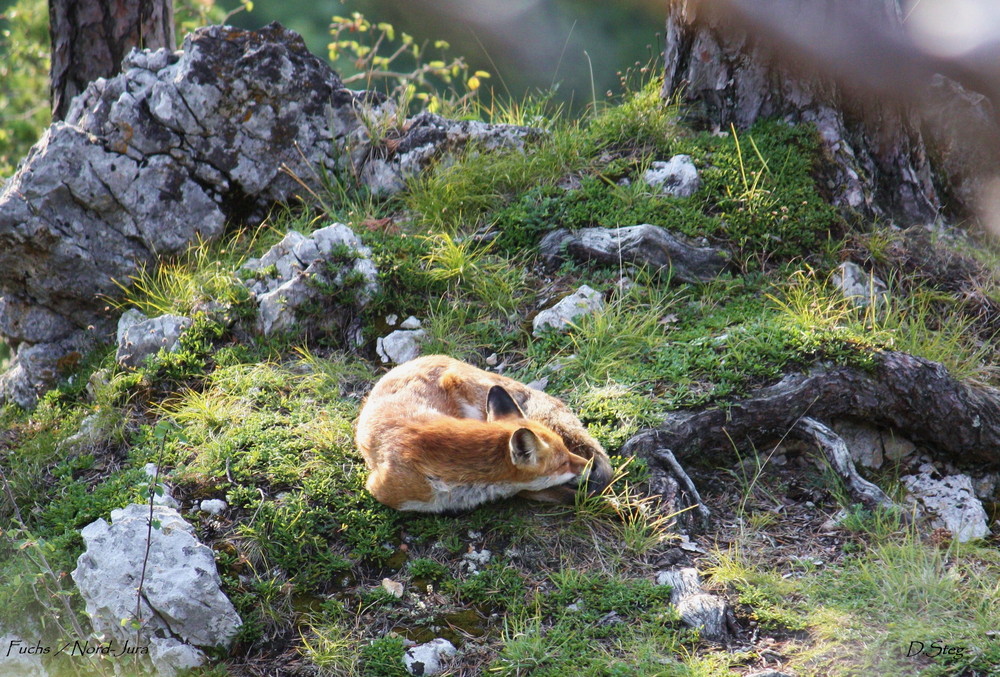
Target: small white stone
x=478, y=557
x=165, y=499
x=583, y=301
x=410, y=323
x=400, y=346
x=394, y=588
x=951, y=502
x=213, y=506
x=428, y=659
x=678, y=177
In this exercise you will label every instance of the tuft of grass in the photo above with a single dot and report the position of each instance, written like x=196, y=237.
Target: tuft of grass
x=634, y=517
x=914, y=323
x=592, y=624
x=491, y=281
x=604, y=345
x=460, y=195
x=641, y=123
x=204, y=274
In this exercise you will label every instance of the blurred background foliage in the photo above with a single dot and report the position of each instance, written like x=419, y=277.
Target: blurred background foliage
x=570, y=52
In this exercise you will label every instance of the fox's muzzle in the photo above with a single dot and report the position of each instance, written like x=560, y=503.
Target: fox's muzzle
x=597, y=476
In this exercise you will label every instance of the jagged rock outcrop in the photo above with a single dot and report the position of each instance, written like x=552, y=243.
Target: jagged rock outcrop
x=181, y=606
x=144, y=163
x=319, y=282
x=169, y=151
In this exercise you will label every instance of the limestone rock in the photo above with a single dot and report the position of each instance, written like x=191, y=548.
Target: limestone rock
x=951, y=502
x=144, y=338
x=34, y=367
x=429, y=658
x=165, y=153
x=314, y=283
x=581, y=302
x=182, y=606
x=678, y=177
x=400, y=346
x=145, y=163
x=858, y=286
x=129, y=318
x=646, y=245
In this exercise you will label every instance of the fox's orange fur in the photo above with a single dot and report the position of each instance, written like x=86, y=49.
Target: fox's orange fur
x=439, y=434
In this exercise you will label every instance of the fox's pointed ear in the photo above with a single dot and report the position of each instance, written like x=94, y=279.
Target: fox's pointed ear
x=524, y=447
x=500, y=405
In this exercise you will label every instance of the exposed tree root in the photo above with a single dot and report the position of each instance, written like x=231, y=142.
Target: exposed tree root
x=836, y=452
x=914, y=396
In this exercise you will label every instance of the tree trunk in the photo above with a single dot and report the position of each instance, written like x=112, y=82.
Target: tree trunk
x=91, y=37
x=723, y=70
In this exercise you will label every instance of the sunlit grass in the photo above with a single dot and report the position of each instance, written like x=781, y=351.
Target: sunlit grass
x=206, y=273
x=920, y=323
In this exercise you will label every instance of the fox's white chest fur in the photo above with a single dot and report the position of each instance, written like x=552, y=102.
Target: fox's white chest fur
x=465, y=496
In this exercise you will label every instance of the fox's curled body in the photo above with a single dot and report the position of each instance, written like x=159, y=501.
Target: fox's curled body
x=439, y=434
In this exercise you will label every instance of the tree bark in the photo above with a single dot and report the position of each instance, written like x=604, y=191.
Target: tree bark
x=727, y=76
x=91, y=37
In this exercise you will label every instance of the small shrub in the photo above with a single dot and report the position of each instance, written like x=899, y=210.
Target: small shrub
x=383, y=657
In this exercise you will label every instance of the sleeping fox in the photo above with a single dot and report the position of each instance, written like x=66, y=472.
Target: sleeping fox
x=440, y=435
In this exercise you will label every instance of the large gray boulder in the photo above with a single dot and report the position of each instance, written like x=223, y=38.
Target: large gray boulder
x=182, y=606
x=144, y=163
x=170, y=150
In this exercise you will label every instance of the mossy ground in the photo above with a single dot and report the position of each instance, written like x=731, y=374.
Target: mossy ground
x=303, y=549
